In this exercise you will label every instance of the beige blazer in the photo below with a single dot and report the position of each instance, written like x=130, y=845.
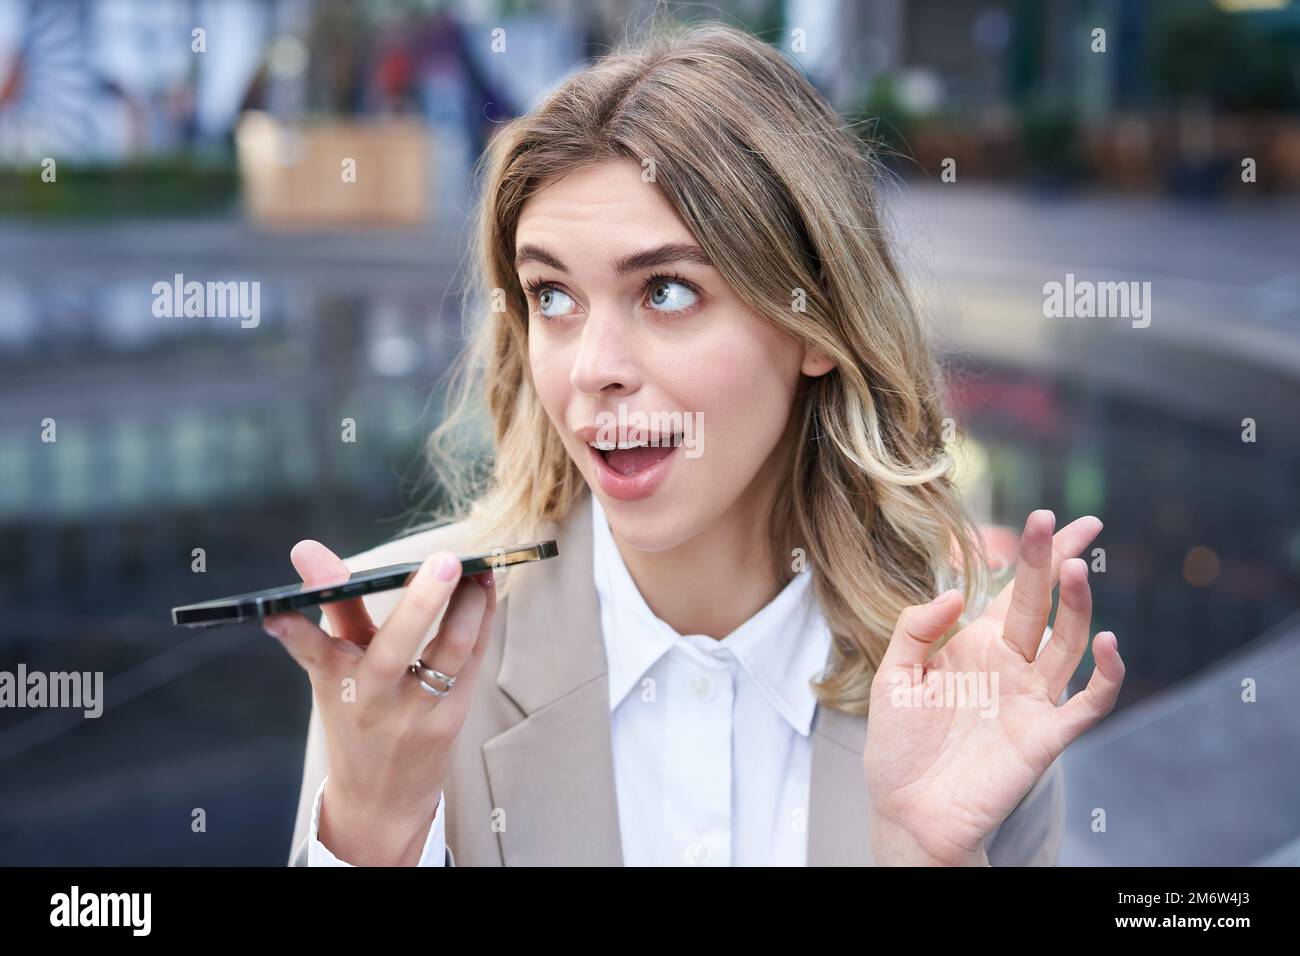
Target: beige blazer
x=532, y=780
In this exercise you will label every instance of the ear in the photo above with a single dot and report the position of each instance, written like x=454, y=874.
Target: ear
x=816, y=363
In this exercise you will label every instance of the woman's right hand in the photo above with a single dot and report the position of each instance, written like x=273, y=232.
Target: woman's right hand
x=388, y=739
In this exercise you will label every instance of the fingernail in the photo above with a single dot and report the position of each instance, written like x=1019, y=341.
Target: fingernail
x=487, y=579
x=273, y=627
x=448, y=567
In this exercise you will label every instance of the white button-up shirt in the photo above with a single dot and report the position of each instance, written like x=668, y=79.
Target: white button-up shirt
x=711, y=738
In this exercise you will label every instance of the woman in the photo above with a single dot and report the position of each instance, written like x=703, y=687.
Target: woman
x=685, y=238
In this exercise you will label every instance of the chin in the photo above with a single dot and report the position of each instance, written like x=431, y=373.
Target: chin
x=657, y=523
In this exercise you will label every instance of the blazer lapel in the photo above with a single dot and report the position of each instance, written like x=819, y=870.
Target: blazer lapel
x=838, y=800
x=552, y=774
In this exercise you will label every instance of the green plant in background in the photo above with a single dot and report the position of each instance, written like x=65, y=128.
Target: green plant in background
x=1203, y=56
x=1049, y=138
x=177, y=186
x=1208, y=63
x=889, y=124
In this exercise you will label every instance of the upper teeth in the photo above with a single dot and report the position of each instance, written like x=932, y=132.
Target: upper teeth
x=610, y=445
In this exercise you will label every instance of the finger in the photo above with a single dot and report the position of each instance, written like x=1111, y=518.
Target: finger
x=306, y=643
x=459, y=630
x=1031, y=594
x=1058, y=659
x=917, y=629
x=466, y=674
x=488, y=580
x=1066, y=543
x=1095, y=701
x=404, y=633
x=318, y=566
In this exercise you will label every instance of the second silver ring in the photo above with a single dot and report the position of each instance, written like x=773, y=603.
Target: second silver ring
x=421, y=670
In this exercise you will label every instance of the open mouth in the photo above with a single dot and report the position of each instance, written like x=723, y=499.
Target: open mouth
x=636, y=458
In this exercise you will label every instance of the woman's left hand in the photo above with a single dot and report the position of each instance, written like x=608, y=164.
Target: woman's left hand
x=955, y=742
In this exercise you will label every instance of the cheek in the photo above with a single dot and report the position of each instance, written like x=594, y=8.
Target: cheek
x=743, y=383
x=550, y=377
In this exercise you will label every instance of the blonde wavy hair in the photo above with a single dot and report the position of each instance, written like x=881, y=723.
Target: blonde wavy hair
x=781, y=194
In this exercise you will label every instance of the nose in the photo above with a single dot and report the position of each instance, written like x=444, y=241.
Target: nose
x=606, y=361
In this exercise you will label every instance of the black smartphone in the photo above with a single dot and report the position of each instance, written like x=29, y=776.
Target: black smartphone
x=255, y=604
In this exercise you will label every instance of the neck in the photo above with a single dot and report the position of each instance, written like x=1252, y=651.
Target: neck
x=717, y=580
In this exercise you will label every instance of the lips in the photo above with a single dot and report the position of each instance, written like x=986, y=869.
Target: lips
x=651, y=465
x=628, y=436
x=633, y=463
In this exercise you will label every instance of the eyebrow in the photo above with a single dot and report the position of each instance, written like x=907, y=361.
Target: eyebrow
x=663, y=255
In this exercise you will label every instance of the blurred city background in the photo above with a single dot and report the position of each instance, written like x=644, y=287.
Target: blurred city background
x=140, y=139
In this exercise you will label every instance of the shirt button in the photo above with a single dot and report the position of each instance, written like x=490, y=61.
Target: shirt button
x=696, y=853
x=700, y=685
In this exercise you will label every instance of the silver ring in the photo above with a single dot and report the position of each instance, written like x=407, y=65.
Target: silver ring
x=420, y=669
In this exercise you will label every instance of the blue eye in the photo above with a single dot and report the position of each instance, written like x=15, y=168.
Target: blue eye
x=547, y=297
x=670, y=295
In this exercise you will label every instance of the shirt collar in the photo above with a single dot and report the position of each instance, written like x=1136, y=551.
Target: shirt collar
x=781, y=648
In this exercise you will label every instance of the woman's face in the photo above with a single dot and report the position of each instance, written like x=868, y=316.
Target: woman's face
x=635, y=337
